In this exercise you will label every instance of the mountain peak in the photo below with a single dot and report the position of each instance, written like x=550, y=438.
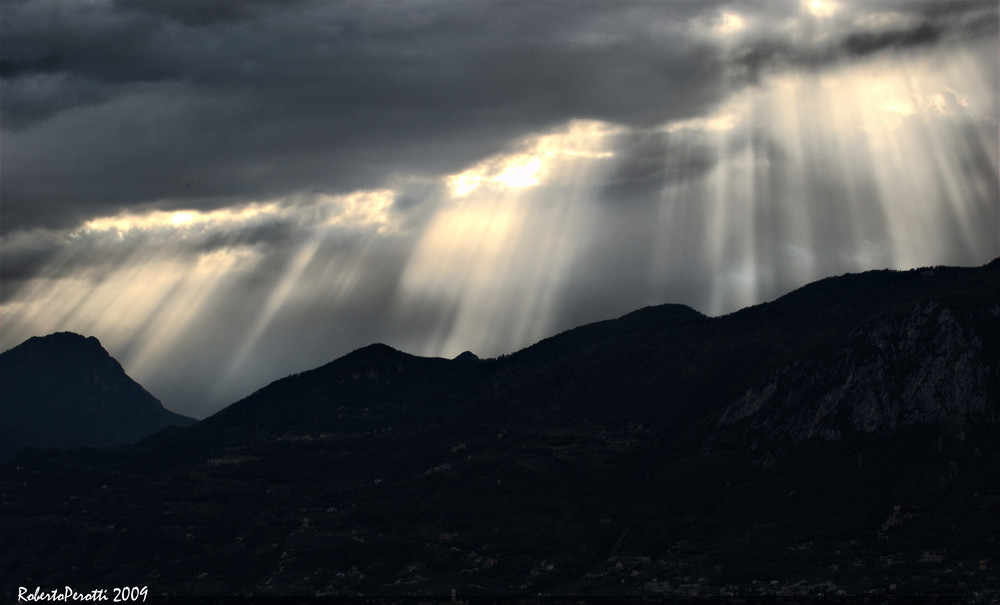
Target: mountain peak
x=373, y=352
x=63, y=341
x=65, y=390
x=377, y=347
x=65, y=337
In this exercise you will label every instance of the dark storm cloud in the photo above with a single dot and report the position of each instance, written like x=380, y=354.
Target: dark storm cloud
x=861, y=30
x=201, y=13
x=108, y=105
x=90, y=256
x=867, y=43
x=932, y=23
x=649, y=160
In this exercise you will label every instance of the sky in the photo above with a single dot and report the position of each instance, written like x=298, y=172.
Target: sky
x=225, y=193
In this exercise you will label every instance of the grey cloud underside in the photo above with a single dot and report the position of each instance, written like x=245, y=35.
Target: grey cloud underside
x=652, y=159
x=117, y=107
x=95, y=255
x=905, y=25
x=200, y=105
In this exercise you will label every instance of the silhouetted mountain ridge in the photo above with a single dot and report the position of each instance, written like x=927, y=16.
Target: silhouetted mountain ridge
x=64, y=390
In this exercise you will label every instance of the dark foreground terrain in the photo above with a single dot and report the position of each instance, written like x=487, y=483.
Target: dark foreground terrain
x=842, y=440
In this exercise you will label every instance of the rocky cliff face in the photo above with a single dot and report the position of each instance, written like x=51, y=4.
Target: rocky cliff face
x=930, y=366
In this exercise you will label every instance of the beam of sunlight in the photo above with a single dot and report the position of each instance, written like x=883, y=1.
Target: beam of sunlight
x=360, y=210
x=277, y=297
x=857, y=167
x=489, y=266
x=141, y=281
x=181, y=306
x=140, y=310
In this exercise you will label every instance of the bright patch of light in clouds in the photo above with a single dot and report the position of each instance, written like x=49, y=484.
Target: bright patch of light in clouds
x=821, y=8
x=731, y=23
x=157, y=220
x=361, y=209
x=357, y=210
x=531, y=164
x=717, y=123
x=181, y=218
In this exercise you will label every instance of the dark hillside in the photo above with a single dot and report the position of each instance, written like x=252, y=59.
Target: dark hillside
x=65, y=391
x=842, y=439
